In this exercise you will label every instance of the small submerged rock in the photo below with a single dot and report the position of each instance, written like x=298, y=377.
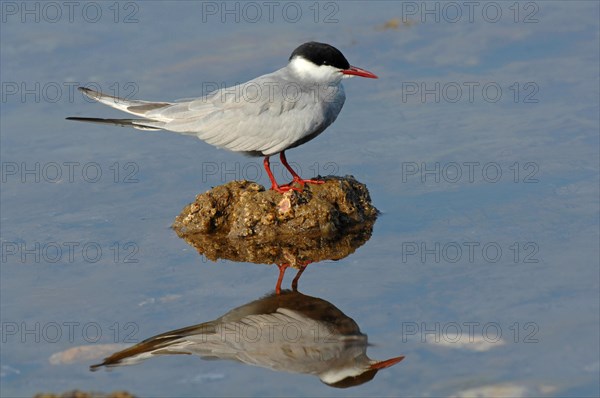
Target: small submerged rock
x=241, y=221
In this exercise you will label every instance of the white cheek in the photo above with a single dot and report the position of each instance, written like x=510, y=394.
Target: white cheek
x=334, y=375
x=310, y=71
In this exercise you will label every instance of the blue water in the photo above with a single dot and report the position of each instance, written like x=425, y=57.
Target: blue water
x=490, y=202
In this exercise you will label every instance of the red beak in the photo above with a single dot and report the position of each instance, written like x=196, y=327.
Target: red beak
x=386, y=364
x=353, y=70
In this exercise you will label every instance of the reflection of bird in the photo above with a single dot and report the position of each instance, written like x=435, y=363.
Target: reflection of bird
x=263, y=116
x=288, y=332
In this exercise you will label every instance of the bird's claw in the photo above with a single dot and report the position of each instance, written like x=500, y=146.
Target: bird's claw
x=302, y=181
x=286, y=187
x=297, y=180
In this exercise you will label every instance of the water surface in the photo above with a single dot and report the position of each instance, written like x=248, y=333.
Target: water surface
x=479, y=144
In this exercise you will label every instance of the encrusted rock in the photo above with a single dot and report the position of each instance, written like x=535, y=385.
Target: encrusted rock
x=242, y=209
x=241, y=221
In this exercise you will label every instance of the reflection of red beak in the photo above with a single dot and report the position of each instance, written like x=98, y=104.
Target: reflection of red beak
x=353, y=70
x=387, y=363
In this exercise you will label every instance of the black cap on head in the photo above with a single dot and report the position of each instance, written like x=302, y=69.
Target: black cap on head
x=321, y=54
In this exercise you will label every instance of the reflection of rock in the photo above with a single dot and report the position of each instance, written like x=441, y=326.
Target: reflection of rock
x=289, y=332
x=240, y=221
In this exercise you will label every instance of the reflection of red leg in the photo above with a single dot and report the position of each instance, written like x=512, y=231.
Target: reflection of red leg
x=296, y=177
x=282, y=269
x=297, y=278
x=274, y=185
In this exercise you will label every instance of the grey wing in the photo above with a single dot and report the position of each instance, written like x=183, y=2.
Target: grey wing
x=257, y=116
x=285, y=340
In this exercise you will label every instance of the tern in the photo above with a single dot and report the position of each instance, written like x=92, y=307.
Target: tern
x=288, y=332
x=262, y=117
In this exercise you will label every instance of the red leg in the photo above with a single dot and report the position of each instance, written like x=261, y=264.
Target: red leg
x=297, y=277
x=282, y=269
x=274, y=185
x=296, y=177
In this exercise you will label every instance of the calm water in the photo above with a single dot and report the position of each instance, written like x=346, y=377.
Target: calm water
x=479, y=143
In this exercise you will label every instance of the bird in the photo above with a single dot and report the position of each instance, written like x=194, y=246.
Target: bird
x=263, y=117
x=288, y=332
